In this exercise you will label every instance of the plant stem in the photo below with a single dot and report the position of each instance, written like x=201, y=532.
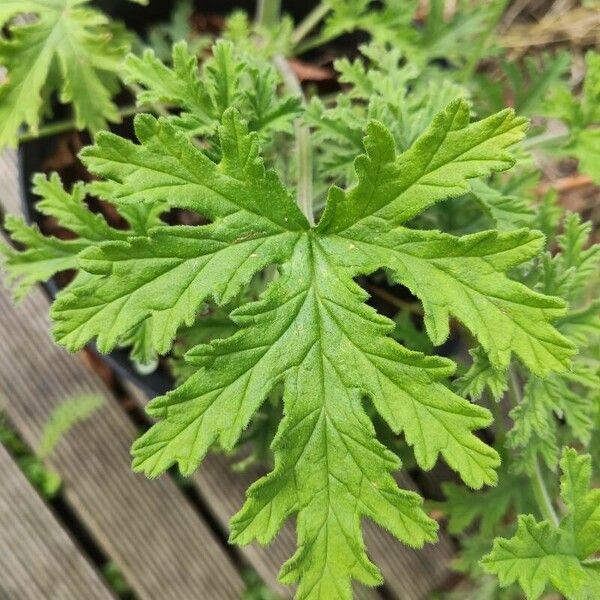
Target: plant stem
x=476, y=53
x=268, y=12
x=414, y=308
x=500, y=429
x=303, y=145
x=539, y=140
x=542, y=497
x=313, y=42
x=514, y=388
x=309, y=22
x=69, y=124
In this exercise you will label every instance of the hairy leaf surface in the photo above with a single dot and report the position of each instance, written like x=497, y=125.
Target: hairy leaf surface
x=311, y=332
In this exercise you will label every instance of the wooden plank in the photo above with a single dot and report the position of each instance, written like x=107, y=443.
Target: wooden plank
x=9, y=182
x=161, y=544
x=38, y=559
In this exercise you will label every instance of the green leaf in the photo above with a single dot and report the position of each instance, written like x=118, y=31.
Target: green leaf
x=481, y=375
x=169, y=274
x=581, y=115
x=326, y=433
x=541, y=553
x=177, y=86
x=574, y=395
x=451, y=276
x=579, y=258
x=67, y=36
x=142, y=350
x=228, y=79
x=436, y=167
x=393, y=22
x=311, y=331
x=507, y=212
x=391, y=91
x=45, y=256
x=528, y=83
x=489, y=508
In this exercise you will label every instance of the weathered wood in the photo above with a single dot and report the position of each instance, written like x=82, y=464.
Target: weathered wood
x=159, y=541
x=9, y=183
x=38, y=559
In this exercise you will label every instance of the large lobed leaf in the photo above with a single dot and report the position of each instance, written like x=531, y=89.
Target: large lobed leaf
x=311, y=331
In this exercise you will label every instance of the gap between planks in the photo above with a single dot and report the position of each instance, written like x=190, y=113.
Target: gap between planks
x=38, y=559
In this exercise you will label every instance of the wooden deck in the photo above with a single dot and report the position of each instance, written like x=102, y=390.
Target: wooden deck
x=168, y=543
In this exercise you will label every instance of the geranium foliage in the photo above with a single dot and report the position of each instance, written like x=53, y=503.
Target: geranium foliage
x=416, y=184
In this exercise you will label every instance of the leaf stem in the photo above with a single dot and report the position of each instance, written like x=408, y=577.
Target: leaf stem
x=69, y=124
x=543, y=138
x=309, y=22
x=542, y=497
x=414, y=308
x=303, y=143
x=540, y=491
x=514, y=388
x=500, y=429
x=309, y=44
x=268, y=12
x=475, y=54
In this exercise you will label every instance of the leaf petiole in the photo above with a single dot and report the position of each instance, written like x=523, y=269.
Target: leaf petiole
x=540, y=491
x=268, y=12
x=69, y=124
x=303, y=144
x=314, y=17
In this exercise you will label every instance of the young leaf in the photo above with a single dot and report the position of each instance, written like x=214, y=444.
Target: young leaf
x=528, y=83
x=507, y=212
x=481, y=375
x=581, y=115
x=541, y=553
x=489, y=508
x=229, y=79
x=67, y=36
x=572, y=396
